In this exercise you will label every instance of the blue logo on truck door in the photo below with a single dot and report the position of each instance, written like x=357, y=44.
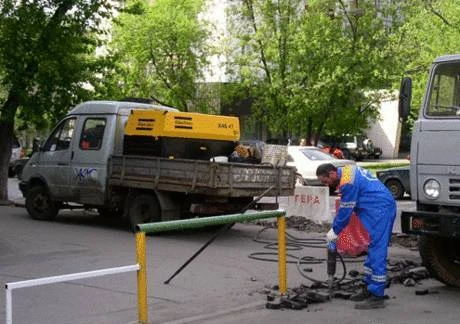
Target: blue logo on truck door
x=85, y=174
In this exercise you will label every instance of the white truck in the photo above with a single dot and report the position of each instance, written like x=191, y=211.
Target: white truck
x=89, y=161
x=435, y=170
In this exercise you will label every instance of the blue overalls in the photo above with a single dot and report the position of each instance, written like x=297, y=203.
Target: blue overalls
x=376, y=208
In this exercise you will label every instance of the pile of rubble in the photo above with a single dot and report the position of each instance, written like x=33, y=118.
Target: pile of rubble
x=406, y=272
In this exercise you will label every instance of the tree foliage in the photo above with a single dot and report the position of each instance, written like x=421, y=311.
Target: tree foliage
x=47, y=62
x=160, y=50
x=312, y=68
x=431, y=29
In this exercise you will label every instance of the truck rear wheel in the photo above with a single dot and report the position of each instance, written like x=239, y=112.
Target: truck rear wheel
x=39, y=204
x=144, y=208
x=441, y=258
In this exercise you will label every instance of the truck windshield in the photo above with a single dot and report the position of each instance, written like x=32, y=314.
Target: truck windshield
x=444, y=93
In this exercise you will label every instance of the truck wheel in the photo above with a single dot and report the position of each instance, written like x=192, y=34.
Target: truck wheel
x=395, y=188
x=144, y=208
x=441, y=258
x=39, y=204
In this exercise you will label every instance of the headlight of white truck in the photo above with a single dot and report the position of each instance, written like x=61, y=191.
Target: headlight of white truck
x=431, y=189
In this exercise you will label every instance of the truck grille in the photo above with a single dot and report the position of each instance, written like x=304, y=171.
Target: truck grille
x=454, y=189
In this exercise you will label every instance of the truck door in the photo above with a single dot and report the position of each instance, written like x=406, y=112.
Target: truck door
x=55, y=159
x=89, y=163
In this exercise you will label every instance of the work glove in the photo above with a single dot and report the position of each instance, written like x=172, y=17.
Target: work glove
x=331, y=236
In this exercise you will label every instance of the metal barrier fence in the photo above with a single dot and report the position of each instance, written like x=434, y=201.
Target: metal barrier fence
x=140, y=267
x=221, y=220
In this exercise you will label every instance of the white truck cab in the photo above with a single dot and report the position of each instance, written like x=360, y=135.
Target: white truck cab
x=435, y=170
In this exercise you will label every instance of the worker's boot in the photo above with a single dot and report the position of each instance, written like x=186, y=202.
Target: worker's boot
x=360, y=296
x=373, y=302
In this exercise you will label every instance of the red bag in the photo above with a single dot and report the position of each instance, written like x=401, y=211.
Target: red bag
x=353, y=240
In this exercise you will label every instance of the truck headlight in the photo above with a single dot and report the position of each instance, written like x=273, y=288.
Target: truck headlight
x=431, y=189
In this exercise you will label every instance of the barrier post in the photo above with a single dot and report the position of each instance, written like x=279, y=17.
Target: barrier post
x=282, y=254
x=9, y=306
x=158, y=227
x=141, y=279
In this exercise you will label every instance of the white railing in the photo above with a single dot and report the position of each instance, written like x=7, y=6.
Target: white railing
x=55, y=279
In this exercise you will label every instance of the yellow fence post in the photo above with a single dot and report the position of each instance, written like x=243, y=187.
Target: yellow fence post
x=141, y=278
x=282, y=254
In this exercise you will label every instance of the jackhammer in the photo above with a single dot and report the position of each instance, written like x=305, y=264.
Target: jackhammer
x=331, y=264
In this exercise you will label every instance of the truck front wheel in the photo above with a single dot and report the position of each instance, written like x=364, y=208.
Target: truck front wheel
x=39, y=204
x=396, y=188
x=441, y=257
x=144, y=208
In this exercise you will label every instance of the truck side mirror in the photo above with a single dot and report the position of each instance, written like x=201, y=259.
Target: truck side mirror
x=405, y=95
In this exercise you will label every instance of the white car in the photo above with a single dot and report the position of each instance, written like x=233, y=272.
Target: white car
x=307, y=159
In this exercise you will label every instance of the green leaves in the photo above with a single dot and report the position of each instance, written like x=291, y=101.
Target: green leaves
x=160, y=52
x=430, y=29
x=309, y=70
x=48, y=54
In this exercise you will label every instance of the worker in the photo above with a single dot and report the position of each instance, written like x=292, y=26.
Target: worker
x=373, y=203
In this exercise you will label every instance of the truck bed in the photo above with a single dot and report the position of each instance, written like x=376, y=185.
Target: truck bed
x=200, y=177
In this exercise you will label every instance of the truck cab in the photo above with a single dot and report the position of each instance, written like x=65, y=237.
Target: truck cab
x=435, y=170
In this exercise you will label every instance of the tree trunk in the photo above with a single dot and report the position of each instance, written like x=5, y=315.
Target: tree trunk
x=310, y=139
x=8, y=111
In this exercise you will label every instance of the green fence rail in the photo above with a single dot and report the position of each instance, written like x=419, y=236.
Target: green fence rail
x=203, y=222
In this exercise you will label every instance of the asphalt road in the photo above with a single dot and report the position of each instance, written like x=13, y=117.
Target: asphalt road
x=221, y=286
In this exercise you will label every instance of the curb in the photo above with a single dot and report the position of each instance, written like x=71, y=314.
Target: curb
x=6, y=203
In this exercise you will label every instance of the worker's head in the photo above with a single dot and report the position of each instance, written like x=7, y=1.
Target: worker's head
x=327, y=174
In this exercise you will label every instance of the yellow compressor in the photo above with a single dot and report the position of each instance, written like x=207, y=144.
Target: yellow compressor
x=180, y=134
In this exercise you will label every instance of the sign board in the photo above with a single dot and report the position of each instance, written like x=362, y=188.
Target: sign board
x=310, y=202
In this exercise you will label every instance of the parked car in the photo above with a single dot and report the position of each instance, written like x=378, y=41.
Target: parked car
x=396, y=180
x=307, y=159
x=17, y=152
x=356, y=147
